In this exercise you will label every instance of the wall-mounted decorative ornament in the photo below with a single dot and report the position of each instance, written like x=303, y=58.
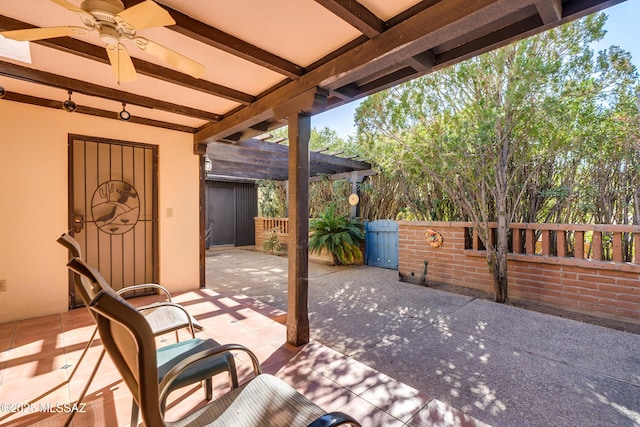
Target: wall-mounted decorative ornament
x=115, y=207
x=433, y=238
x=353, y=199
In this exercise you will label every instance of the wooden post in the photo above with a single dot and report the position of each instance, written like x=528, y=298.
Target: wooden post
x=475, y=242
x=298, y=113
x=578, y=245
x=200, y=150
x=561, y=243
x=596, y=246
x=298, y=284
x=546, y=242
x=529, y=241
x=516, y=236
x=617, y=247
x=354, y=190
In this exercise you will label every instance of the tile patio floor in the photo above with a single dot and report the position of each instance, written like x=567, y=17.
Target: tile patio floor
x=37, y=355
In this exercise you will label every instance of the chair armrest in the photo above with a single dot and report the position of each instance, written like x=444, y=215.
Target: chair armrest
x=170, y=304
x=333, y=419
x=145, y=286
x=165, y=384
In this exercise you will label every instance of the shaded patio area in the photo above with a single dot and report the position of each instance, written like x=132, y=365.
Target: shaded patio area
x=388, y=353
x=38, y=355
x=500, y=364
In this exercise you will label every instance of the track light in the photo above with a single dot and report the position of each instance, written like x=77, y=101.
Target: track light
x=2, y=92
x=124, y=114
x=69, y=105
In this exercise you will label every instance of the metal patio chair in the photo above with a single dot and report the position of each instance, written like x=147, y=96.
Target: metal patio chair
x=263, y=401
x=162, y=317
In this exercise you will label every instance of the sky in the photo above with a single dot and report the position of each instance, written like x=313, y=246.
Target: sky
x=623, y=29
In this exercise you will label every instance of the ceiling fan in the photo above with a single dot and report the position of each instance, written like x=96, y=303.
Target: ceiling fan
x=113, y=23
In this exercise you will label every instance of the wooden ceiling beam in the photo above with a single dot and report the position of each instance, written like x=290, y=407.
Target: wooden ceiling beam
x=214, y=37
x=489, y=28
x=98, y=54
x=550, y=10
x=411, y=37
x=240, y=170
x=49, y=79
x=487, y=43
x=524, y=23
x=356, y=15
x=57, y=104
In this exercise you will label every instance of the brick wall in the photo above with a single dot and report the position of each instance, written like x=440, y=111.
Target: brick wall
x=605, y=288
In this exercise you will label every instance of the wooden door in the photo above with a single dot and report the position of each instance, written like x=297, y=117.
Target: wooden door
x=113, y=208
x=221, y=213
x=381, y=244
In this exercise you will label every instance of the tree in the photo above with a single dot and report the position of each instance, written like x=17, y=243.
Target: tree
x=488, y=131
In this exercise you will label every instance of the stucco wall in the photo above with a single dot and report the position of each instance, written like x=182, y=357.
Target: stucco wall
x=33, y=182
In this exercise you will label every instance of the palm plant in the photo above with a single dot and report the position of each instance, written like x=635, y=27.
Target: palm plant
x=340, y=235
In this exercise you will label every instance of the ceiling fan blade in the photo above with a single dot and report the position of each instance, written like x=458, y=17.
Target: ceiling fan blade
x=147, y=14
x=178, y=61
x=67, y=5
x=32, y=34
x=121, y=63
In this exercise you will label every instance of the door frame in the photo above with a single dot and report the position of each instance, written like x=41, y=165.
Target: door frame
x=155, y=256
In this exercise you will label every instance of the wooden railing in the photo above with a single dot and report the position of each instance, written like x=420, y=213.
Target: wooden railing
x=275, y=225
x=597, y=242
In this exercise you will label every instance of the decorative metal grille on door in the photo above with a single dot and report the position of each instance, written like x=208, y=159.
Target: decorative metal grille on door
x=113, y=208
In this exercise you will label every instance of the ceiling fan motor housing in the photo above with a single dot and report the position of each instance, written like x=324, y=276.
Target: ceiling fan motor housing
x=103, y=10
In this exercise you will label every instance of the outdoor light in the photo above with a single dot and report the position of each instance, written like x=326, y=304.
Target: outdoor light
x=2, y=92
x=208, y=164
x=124, y=114
x=68, y=105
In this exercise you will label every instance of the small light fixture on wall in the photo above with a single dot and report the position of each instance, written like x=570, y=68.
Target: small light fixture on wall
x=208, y=164
x=68, y=105
x=124, y=114
x=2, y=92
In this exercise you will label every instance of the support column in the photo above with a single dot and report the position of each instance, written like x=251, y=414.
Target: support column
x=298, y=289
x=355, y=179
x=298, y=113
x=200, y=150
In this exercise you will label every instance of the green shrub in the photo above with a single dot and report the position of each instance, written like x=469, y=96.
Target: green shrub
x=272, y=242
x=340, y=235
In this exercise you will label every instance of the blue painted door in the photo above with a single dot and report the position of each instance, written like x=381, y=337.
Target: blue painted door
x=381, y=244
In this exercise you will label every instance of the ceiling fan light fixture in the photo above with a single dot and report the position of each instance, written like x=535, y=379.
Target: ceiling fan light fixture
x=124, y=114
x=110, y=35
x=69, y=106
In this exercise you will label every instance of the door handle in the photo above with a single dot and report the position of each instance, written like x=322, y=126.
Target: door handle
x=78, y=223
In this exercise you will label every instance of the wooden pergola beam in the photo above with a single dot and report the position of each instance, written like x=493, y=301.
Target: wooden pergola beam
x=42, y=77
x=99, y=54
x=411, y=37
x=226, y=42
x=356, y=15
x=550, y=10
x=97, y=112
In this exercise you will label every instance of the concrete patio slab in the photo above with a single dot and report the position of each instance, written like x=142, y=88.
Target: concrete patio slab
x=499, y=364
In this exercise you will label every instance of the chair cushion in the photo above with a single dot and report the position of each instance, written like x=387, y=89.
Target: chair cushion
x=168, y=356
